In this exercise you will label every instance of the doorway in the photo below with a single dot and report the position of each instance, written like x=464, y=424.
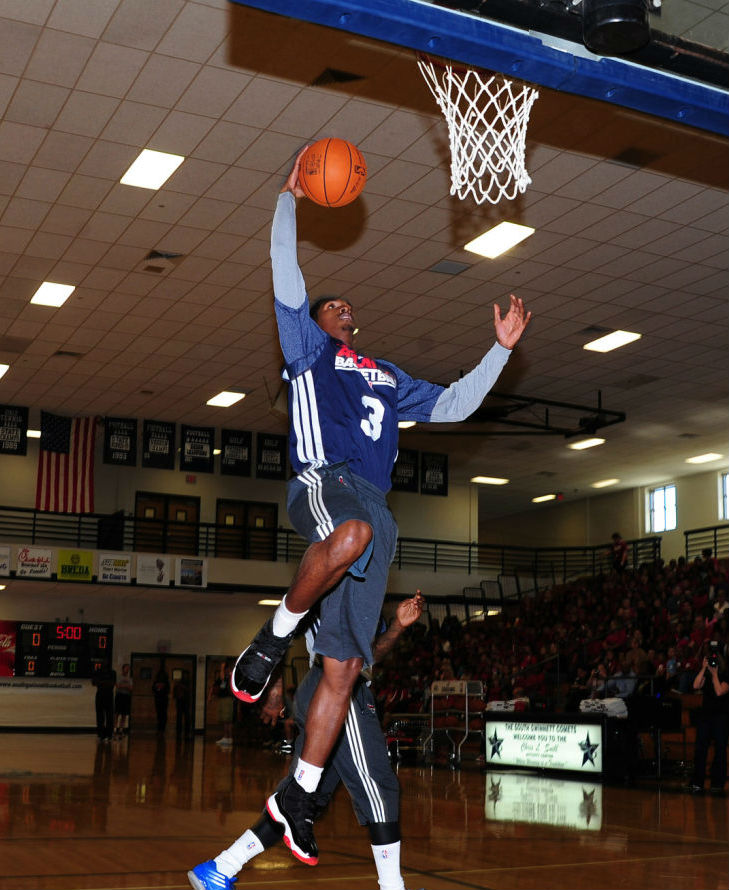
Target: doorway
x=176, y=705
x=166, y=523
x=245, y=529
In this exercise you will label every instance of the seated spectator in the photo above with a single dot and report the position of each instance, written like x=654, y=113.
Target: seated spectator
x=623, y=683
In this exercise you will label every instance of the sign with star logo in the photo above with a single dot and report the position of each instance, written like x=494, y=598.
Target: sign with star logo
x=544, y=744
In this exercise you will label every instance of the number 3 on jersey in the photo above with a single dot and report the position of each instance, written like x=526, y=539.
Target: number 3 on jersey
x=372, y=424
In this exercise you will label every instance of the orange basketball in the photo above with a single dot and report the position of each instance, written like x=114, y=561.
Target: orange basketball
x=332, y=172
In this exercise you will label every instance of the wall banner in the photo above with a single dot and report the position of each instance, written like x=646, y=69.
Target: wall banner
x=13, y=430
x=34, y=562
x=114, y=568
x=75, y=565
x=120, y=441
x=434, y=473
x=196, y=449
x=158, y=448
x=190, y=571
x=405, y=472
x=153, y=570
x=270, y=456
x=235, y=452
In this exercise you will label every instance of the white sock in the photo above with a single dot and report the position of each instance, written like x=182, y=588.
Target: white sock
x=284, y=621
x=387, y=860
x=232, y=860
x=307, y=775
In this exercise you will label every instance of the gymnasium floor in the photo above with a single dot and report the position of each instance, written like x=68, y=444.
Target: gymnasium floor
x=140, y=812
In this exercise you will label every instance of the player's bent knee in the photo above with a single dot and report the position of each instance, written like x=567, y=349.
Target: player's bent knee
x=349, y=541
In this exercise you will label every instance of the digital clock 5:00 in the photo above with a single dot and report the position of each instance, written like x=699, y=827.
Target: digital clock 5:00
x=54, y=649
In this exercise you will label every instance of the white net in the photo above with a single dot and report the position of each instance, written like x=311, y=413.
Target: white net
x=487, y=119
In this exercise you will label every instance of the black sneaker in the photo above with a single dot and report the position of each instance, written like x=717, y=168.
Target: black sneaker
x=295, y=809
x=255, y=664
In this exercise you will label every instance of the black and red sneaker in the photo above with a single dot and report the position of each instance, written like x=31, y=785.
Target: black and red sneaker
x=295, y=809
x=255, y=664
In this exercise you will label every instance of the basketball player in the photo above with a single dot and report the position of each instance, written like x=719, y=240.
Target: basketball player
x=359, y=759
x=344, y=410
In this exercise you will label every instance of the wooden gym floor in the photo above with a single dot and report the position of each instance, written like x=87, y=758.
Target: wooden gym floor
x=76, y=815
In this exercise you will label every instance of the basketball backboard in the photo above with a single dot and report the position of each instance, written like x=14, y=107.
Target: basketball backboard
x=677, y=75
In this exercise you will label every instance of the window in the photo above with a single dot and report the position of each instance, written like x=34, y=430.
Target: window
x=662, y=508
x=724, y=496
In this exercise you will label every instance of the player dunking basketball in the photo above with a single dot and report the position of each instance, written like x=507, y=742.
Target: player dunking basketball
x=344, y=410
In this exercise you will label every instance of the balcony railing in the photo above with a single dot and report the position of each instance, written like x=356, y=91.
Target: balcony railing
x=713, y=537
x=516, y=570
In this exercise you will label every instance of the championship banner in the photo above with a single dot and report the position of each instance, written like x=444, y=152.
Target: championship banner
x=158, y=448
x=270, y=456
x=34, y=562
x=114, y=568
x=75, y=565
x=120, y=441
x=4, y=560
x=235, y=452
x=190, y=571
x=197, y=443
x=405, y=472
x=434, y=474
x=13, y=430
x=153, y=570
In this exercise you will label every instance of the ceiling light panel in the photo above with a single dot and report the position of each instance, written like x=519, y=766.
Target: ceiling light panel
x=612, y=341
x=151, y=169
x=225, y=399
x=50, y=293
x=585, y=443
x=499, y=239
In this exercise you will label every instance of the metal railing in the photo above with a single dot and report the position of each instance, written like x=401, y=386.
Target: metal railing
x=713, y=537
x=516, y=570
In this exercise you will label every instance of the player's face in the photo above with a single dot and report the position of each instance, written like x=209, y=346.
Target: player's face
x=336, y=317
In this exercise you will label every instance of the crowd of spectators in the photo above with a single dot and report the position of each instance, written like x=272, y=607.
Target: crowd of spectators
x=617, y=634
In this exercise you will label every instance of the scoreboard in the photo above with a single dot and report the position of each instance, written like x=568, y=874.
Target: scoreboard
x=61, y=649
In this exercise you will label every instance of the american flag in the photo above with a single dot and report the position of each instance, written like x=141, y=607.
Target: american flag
x=66, y=464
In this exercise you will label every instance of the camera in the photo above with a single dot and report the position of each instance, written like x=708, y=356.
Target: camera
x=713, y=657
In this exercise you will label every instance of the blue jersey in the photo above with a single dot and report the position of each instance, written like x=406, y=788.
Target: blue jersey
x=344, y=406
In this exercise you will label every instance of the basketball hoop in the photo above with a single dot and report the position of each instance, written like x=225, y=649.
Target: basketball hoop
x=487, y=119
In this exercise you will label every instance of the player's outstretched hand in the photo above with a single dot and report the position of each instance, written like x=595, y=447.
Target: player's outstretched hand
x=272, y=707
x=408, y=611
x=510, y=328
x=292, y=181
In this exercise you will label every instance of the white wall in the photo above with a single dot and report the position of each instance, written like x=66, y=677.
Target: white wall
x=591, y=521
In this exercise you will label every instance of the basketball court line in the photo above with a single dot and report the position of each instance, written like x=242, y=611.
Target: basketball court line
x=536, y=58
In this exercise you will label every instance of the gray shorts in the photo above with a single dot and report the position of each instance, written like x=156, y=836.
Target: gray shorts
x=359, y=758
x=319, y=501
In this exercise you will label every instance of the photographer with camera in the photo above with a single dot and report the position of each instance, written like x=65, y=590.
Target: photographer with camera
x=713, y=720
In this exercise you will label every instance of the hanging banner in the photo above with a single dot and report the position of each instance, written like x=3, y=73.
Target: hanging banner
x=114, y=568
x=75, y=565
x=153, y=570
x=270, y=456
x=405, y=472
x=190, y=571
x=13, y=430
x=235, y=452
x=4, y=560
x=434, y=473
x=34, y=562
x=197, y=443
x=158, y=449
x=120, y=441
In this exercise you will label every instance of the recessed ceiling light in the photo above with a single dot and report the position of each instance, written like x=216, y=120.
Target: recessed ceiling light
x=699, y=458
x=151, y=169
x=4, y=369
x=216, y=451
x=543, y=497
x=585, y=443
x=225, y=399
x=488, y=480
x=269, y=602
x=603, y=483
x=52, y=294
x=405, y=424
x=33, y=434
x=2, y=587
x=499, y=239
x=612, y=341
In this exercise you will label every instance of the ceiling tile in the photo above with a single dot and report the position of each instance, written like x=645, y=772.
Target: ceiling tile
x=19, y=141
x=36, y=103
x=59, y=57
x=86, y=114
x=140, y=24
x=17, y=40
x=195, y=34
x=81, y=17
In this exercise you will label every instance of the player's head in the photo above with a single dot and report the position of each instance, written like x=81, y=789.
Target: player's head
x=334, y=315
